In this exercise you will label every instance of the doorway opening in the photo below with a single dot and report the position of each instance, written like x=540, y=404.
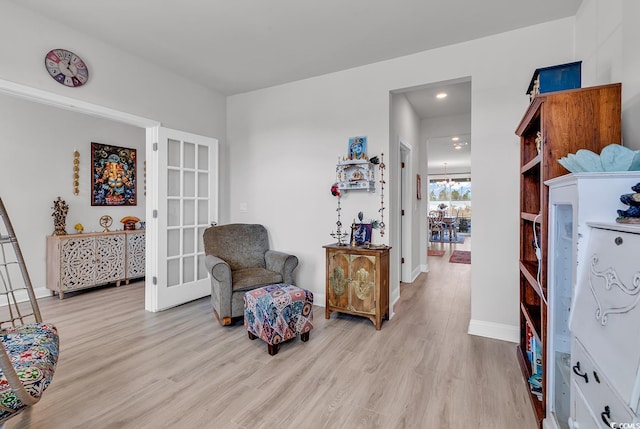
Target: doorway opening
x=442, y=111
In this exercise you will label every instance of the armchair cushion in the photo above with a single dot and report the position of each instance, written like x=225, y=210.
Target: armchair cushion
x=250, y=278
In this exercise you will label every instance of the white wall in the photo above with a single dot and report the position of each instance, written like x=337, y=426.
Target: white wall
x=405, y=129
x=607, y=37
x=285, y=140
x=37, y=144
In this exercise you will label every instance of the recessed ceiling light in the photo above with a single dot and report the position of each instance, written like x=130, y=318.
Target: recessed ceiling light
x=455, y=139
x=441, y=95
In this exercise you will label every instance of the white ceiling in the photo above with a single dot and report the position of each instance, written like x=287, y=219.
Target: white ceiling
x=235, y=46
x=457, y=104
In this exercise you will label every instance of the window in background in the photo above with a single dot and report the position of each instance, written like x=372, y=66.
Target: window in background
x=455, y=194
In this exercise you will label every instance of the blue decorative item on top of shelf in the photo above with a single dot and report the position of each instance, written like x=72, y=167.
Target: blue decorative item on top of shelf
x=555, y=78
x=613, y=157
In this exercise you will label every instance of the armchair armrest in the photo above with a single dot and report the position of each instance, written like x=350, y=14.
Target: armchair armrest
x=221, y=288
x=282, y=263
x=218, y=268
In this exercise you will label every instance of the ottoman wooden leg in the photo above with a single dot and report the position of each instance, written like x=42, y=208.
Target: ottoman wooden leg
x=304, y=337
x=273, y=349
x=251, y=336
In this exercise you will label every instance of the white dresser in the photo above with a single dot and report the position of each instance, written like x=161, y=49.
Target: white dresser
x=605, y=327
x=575, y=200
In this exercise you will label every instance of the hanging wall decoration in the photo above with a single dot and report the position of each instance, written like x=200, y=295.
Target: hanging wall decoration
x=338, y=234
x=381, y=226
x=76, y=172
x=113, y=179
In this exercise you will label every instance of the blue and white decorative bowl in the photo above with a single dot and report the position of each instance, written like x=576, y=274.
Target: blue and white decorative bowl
x=613, y=157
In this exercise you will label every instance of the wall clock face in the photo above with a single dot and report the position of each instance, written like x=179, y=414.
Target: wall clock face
x=66, y=67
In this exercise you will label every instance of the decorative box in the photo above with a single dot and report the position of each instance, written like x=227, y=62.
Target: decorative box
x=555, y=78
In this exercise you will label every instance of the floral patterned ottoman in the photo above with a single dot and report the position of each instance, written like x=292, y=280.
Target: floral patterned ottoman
x=277, y=313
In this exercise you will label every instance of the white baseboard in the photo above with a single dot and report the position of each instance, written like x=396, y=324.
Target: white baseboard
x=497, y=331
x=319, y=299
x=391, y=305
x=424, y=268
x=416, y=273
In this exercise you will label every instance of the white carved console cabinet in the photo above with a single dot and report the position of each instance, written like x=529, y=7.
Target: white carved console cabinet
x=85, y=260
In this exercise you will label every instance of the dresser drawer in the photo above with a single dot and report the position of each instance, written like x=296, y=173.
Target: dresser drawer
x=599, y=396
x=605, y=314
x=581, y=417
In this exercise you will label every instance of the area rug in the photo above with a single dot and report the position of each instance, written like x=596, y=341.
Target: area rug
x=433, y=252
x=445, y=239
x=460, y=257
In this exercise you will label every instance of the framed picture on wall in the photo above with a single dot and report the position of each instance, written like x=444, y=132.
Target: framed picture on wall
x=357, y=148
x=113, y=178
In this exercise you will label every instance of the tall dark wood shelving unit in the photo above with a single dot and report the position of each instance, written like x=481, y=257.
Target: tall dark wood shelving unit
x=585, y=118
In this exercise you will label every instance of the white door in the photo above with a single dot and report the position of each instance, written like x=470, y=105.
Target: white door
x=182, y=201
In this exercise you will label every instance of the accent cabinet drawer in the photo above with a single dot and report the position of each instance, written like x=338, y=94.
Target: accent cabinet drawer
x=599, y=395
x=605, y=315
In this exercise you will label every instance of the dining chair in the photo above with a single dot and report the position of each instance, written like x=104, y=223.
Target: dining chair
x=436, y=223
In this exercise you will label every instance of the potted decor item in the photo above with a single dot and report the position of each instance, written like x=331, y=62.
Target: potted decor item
x=129, y=222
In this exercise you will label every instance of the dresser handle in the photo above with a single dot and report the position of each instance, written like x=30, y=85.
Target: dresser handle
x=576, y=369
x=595, y=375
x=618, y=240
x=606, y=415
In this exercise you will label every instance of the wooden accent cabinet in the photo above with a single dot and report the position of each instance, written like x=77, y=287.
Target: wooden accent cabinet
x=81, y=261
x=554, y=125
x=358, y=282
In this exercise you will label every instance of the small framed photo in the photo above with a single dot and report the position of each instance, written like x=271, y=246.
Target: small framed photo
x=361, y=233
x=358, y=148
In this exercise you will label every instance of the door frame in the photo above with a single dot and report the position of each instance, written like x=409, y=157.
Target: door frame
x=406, y=221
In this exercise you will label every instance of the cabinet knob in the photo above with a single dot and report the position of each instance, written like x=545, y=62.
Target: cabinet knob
x=576, y=371
x=618, y=241
x=606, y=415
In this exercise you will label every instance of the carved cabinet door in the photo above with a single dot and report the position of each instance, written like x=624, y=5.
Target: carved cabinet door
x=363, y=284
x=110, y=251
x=338, y=291
x=135, y=255
x=77, y=257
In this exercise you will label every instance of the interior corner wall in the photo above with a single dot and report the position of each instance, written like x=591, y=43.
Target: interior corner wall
x=284, y=142
x=607, y=38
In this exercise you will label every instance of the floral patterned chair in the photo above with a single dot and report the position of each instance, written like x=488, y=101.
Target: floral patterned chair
x=28, y=347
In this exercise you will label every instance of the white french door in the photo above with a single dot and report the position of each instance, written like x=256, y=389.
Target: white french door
x=182, y=201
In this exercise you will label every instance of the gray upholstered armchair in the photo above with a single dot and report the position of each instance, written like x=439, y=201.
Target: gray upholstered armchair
x=238, y=259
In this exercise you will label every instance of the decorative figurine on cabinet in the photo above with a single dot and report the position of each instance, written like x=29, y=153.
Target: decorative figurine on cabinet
x=632, y=214
x=60, y=210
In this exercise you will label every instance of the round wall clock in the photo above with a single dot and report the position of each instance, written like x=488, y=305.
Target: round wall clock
x=66, y=67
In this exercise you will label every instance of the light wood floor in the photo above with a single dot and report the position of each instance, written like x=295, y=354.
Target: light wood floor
x=121, y=367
